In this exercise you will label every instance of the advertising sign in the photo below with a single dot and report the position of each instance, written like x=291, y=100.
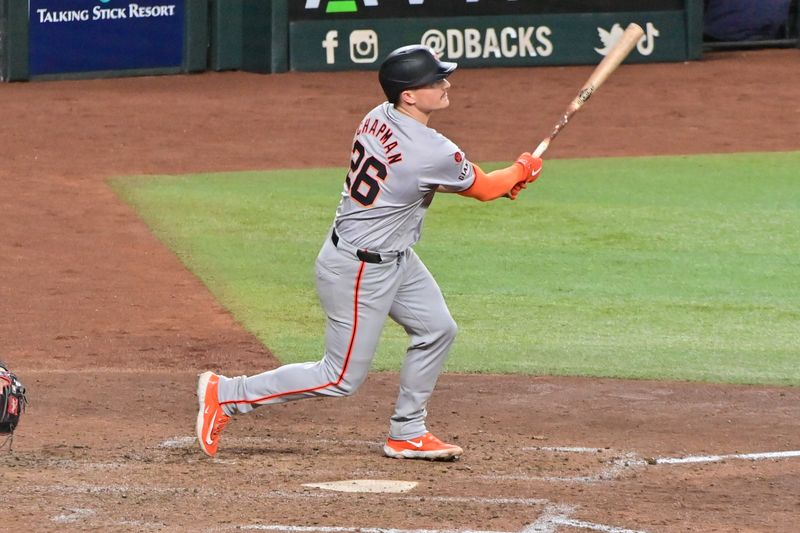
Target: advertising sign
x=372, y=9
x=101, y=35
x=489, y=41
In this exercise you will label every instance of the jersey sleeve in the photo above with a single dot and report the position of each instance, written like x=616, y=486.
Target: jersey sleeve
x=447, y=166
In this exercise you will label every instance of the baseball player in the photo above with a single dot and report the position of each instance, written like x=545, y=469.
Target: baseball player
x=367, y=269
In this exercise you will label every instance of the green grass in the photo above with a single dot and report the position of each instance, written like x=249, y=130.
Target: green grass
x=659, y=267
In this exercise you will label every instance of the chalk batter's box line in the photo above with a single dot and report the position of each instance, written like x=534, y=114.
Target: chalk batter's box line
x=549, y=520
x=689, y=459
x=632, y=458
x=553, y=515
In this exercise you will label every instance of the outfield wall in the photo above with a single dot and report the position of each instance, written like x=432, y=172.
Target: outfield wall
x=93, y=38
x=343, y=35
x=41, y=39
x=45, y=39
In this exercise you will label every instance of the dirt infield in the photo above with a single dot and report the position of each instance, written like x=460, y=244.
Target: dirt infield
x=109, y=330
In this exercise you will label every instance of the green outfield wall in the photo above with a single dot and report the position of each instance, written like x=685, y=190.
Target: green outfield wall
x=41, y=39
x=344, y=35
x=249, y=35
x=13, y=40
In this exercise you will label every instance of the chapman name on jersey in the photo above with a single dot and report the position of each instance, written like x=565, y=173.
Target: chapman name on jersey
x=382, y=132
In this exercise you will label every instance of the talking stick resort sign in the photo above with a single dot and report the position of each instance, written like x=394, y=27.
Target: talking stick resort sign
x=70, y=36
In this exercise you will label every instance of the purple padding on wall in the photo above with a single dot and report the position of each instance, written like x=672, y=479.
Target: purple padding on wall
x=745, y=20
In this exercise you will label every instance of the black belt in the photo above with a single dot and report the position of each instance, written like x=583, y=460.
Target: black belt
x=364, y=255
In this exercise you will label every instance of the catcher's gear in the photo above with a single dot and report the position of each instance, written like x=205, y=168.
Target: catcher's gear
x=12, y=400
x=410, y=67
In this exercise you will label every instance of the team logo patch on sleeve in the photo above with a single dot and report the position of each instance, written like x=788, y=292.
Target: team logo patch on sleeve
x=458, y=157
x=465, y=168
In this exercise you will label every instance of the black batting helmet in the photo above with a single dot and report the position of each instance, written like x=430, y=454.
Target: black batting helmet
x=409, y=67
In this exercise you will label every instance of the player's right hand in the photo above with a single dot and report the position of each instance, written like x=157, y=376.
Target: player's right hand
x=531, y=165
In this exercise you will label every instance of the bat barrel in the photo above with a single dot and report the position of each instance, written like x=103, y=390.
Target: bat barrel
x=617, y=55
x=609, y=64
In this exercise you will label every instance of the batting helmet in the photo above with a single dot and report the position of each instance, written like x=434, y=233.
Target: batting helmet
x=409, y=67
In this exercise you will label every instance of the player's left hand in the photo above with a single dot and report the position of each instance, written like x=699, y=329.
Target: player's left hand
x=515, y=190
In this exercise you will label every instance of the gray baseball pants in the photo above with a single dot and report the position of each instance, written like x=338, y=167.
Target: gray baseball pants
x=357, y=296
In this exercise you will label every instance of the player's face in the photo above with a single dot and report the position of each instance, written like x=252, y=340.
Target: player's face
x=433, y=96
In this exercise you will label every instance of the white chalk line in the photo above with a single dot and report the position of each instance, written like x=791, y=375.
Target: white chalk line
x=633, y=460
x=551, y=518
x=548, y=526
x=85, y=465
x=477, y=499
x=565, y=449
x=760, y=456
x=616, y=468
x=618, y=465
x=580, y=524
x=547, y=520
x=559, y=515
x=140, y=524
x=88, y=488
x=525, y=502
x=73, y=515
x=335, y=529
x=190, y=442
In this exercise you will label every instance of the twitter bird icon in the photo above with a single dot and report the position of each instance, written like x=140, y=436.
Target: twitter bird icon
x=609, y=38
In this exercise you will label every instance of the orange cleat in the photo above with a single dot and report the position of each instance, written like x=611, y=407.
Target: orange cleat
x=211, y=419
x=425, y=447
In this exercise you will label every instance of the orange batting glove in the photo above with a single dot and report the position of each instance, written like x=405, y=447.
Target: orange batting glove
x=515, y=190
x=532, y=166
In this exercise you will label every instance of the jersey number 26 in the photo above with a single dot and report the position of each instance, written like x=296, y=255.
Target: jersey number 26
x=365, y=188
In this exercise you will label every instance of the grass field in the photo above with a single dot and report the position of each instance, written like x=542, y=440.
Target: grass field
x=681, y=268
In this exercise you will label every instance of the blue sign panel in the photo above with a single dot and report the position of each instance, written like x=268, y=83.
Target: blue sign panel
x=93, y=35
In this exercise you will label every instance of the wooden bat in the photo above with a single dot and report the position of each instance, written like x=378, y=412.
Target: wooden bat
x=603, y=70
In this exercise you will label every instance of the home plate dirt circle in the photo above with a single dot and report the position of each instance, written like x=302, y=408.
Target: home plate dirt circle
x=365, y=485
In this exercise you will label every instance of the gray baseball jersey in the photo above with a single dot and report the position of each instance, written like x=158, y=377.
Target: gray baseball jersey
x=366, y=271
x=396, y=165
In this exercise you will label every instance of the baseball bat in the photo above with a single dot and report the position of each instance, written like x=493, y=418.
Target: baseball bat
x=603, y=70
